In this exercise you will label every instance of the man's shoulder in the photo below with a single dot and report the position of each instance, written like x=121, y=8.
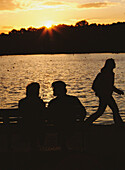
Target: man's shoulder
x=23, y=100
x=72, y=98
x=67, y=98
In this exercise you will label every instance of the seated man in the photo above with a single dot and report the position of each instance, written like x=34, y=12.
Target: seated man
x=31, y=109
x=64, y=110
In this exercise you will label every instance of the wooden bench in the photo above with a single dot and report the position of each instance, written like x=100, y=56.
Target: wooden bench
x=97, y=138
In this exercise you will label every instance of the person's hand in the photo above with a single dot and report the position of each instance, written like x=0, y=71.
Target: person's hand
x=120, y=92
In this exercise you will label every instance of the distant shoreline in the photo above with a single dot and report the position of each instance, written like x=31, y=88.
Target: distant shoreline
x=63, y=39
x=45, y=53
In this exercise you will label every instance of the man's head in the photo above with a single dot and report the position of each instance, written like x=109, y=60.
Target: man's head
x=59, y=88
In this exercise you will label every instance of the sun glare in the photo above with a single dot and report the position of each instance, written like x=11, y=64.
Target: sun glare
x=48, y=24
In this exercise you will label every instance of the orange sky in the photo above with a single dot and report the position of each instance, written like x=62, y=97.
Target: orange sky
x=16, y=14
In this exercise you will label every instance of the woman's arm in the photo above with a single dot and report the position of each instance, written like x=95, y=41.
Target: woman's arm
x=117, y=90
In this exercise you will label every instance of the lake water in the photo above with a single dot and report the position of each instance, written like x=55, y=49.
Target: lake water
x=77, y=71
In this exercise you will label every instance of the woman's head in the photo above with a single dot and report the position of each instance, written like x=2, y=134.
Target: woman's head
x=110, y=64
x=32, y=90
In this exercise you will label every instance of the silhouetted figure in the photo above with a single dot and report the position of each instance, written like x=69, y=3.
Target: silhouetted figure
x=103, y=86
x=31, y=109
x=64, y=109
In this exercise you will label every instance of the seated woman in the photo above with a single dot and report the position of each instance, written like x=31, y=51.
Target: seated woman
x=31, y=109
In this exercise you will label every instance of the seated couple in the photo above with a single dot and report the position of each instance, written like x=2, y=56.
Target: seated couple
x=62, y=110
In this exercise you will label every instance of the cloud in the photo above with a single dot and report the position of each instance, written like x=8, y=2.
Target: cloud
x=6, y=27
x=53, y=3
x=95, y=5
x=11, y=5
x=8, y=5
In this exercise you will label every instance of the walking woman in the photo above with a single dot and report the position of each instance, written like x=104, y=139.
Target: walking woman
x=103, y=87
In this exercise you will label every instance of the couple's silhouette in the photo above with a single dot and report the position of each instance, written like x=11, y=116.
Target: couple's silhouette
x=64, y=109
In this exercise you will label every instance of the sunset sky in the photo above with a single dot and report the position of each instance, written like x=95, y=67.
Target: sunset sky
x=16, y=14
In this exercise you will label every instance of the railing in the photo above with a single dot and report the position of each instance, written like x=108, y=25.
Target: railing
x=12, y=117
x=9, y=117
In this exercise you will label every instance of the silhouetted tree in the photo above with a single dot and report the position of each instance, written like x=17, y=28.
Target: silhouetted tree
x=81, y=23
x=81, y=38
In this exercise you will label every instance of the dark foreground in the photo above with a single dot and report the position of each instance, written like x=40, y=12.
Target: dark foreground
x=60, y=161
x=96, y=147
x=101, y=148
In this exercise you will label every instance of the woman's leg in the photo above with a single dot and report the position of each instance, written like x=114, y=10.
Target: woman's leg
x=116, y=116
x=98, y=113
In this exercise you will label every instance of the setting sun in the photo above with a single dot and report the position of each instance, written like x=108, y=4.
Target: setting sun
x=48, y=24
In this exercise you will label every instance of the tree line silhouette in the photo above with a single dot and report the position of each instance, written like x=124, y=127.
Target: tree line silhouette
x=81, y=38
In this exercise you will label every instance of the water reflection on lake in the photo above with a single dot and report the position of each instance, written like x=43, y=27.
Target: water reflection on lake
x=78, y=71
